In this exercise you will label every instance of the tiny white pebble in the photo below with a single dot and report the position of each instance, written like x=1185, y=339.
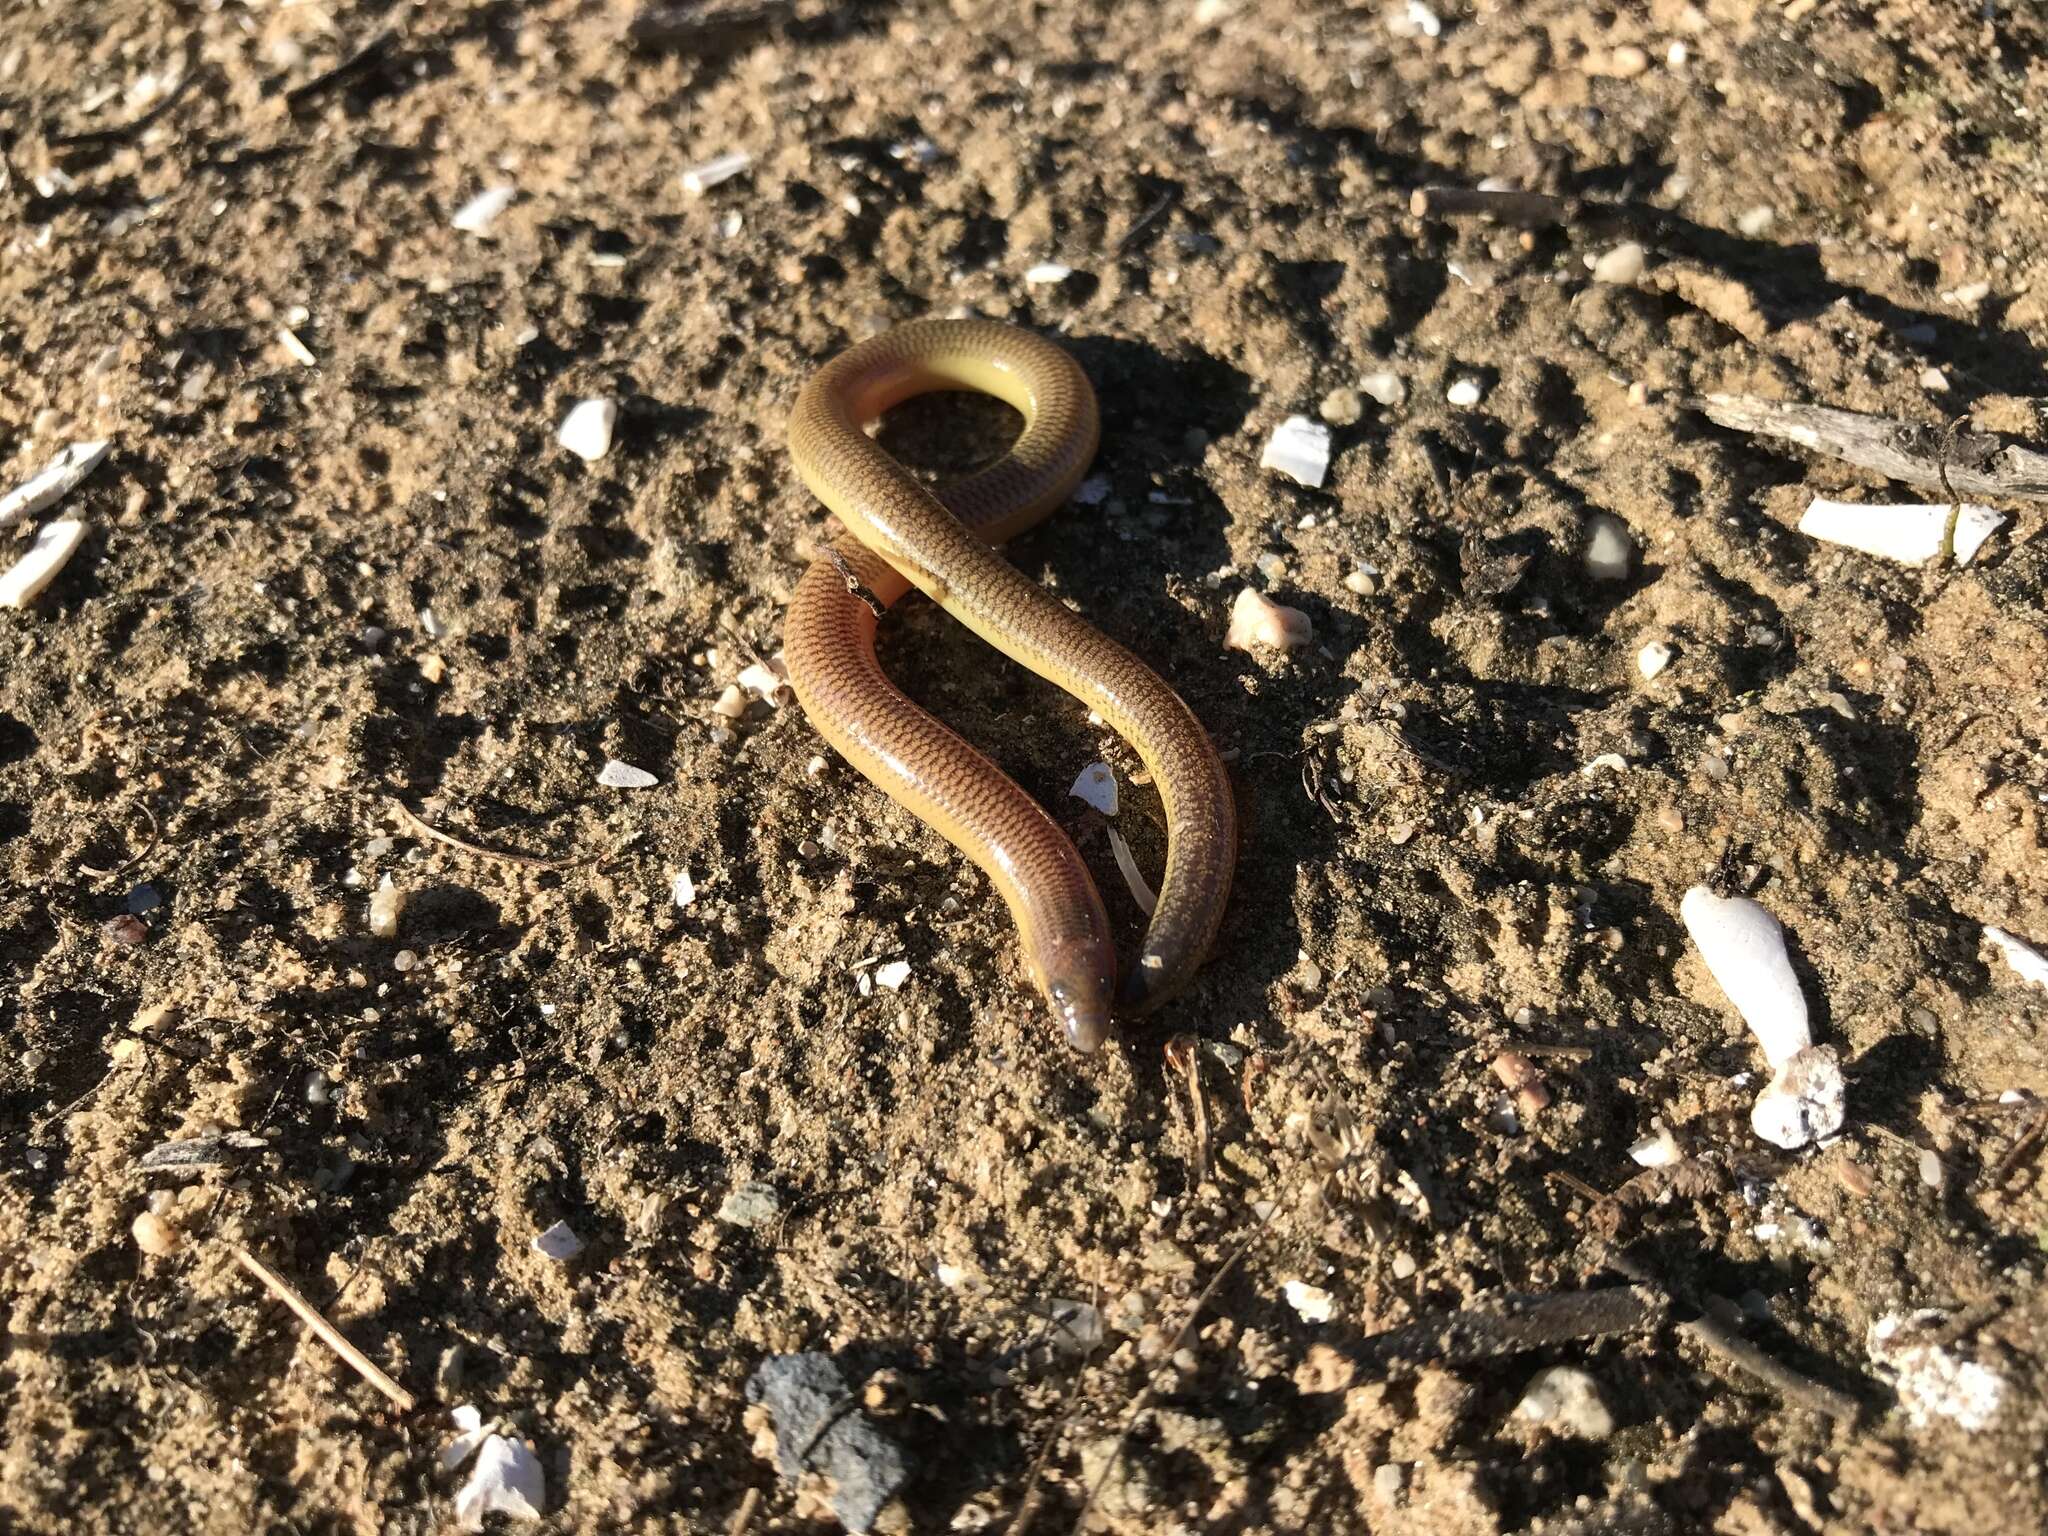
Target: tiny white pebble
x=1934, y=381
x=1756, y=221
x=892, y=975
x=1464, y=391
x=1385, y=386
x=1620, y=266
x=732, y=703
x=1312, y=1302
x=1047, y=272
x=387, y=905
x=1258, y=623
x=618, y=775
x=682, y=889
x=301, y=353
x=1093, y=491
x=587, y=430
x=816, y=767
x=699, y=179
x=1097, y=786
x=1653, y=658
x=476, y=216
x=404, y=960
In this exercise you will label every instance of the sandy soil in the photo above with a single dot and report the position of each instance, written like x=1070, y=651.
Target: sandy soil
x=311, y=593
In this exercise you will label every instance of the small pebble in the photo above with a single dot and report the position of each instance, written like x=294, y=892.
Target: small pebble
x=1047, y=273
x=1621, y=266
x=1568, y=1401
x=1342, y=407
x=892, y=975
x=1465, y=391
x=1610, y=552
x=587, y=430
x=618, y=775
x=1312, y=1302
x=1934, y=381
x=155, y=1236
x=1653, y=658
x=751, y=1204
x=1363, y=580
x=1932, y=1173
x=558, y=1243
x=404, y=960
x=127, y=931
x=1257, y=623
x=433, y=668
x=319, y=1088
x=682, y=889
x=1757, y=221
x=699, y=179
x=387, y=905
x=1385, y=387
x=732, y=703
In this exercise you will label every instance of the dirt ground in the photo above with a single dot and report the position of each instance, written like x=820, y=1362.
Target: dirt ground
x=313, y=591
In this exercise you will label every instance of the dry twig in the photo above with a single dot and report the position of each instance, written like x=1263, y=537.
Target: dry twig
x=1955, y=463
x=329, y=1335
x=524, y=860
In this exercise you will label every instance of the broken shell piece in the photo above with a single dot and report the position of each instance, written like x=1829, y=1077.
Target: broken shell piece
x=46, y=556
x=155, y=1236
x=1312, y=1302
x=618, y=775
x=1048, y=272
x=1465, y=391
x=587, y=430
x=1744, y=948
x=471, y=1431
x=1568, y=1400
x=1652, y=659
x=767, y=680
x=1384, y=386
x=699, y=179
x=1620, y=266
x=1097, y=786
x=1256, y=622
x=1804, y=1101
x=1909, y=533
x=1933, y=1382
x=1127, y=866
x=1299, y=449
x=53, y=483
x=892, y=976
x=507, y=1481
x=732, y=703
x=2027, y=962
x=1658, y=1151
x=682, y=889
x=559, y=1243
x=476, y=216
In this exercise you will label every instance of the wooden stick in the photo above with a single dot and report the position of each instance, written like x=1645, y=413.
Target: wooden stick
x=524, y=860
x=1973, y=464
x=330, y=1335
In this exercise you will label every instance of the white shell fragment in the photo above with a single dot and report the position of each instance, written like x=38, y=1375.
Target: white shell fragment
x=891, y=977
x=1652, y=659
x=1934, y=1383
x=1258, y=623
x=682, y=889
x=1127, y=866
x=470, y=1424
x=1384, y=386
x=1465, y=391
x=1048, y=272
x=699, y=179
x=766, y=680
x=2027, y=962
x=1097, y=786
x=1909, y=532
x=1299, y=449
x=1312, y=1302
x=587, y=430
x=1744, y=948
x=52, y=483
x=476, y=216
x=507, y=1481
x=46, y=556
x=618, y=775
x=558, y=1243
x=301, y=353
x=1658, y=1151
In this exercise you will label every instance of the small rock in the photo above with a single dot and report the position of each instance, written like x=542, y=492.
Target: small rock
x=1610, y=552
x=587, y=430
x=1363, y=580
x=891, y=976
x=432, y=667
x=1934, y=381
x=1048, y=273
x=618, y=775
x=155, y=1236
x=682, y=889
x=144, y=898
x=1653, y=658
x=819, y=1429
x=1342, y=407
x=1757, y=221
x=1568, y=1401
x=1384, y=386
x=1620, y=266
x=387, y=905
x=752, y=1204
x=699, y=179
x=732, y=703
x=126, y=931
x=507, y=1481
x=1465, y=391
x=1257, y=623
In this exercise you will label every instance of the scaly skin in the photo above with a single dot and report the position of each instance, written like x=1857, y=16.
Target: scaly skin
x=900, y=535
